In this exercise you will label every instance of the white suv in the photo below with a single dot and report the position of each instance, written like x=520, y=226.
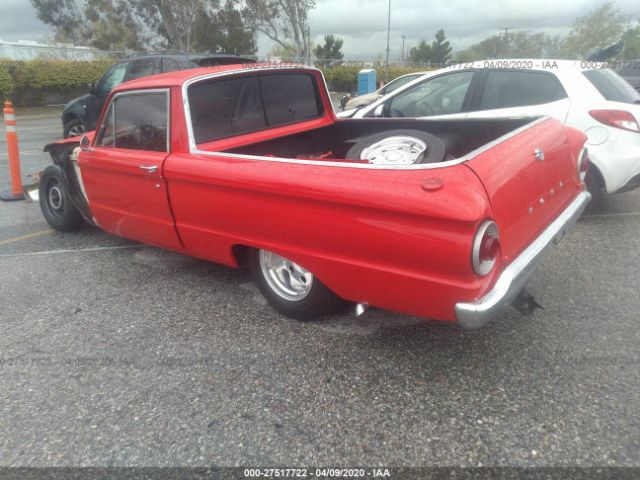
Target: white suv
x=581, y=94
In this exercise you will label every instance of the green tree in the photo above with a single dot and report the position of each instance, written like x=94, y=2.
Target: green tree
x=597, y=29
x=283, y=21
x=631, y=43
x=440, y=49
x=223, y=30
x=421, y=53
x=438, y=52
x=513, y=45
x=125, y=24
x=330, y=51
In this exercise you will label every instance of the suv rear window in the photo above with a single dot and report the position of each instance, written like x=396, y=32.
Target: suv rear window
x=611, y=86
x=222, y=108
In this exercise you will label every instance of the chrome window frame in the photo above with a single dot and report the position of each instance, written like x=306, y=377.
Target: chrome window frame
x=141, y=91
x=193, y=147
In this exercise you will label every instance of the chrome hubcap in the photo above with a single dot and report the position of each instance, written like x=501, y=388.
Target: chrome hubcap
x=398, y=150
x=286, y=278
x=55, y=197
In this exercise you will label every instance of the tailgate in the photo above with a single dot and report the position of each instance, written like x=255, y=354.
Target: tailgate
x=527, y=191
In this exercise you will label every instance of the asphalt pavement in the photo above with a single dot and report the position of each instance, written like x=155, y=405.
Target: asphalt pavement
x=118, y=354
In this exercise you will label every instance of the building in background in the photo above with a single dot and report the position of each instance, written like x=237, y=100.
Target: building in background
x=31, y=50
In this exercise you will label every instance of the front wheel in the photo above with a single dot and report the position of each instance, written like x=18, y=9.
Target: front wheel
x=291, y=288
x=73, y=128
x=55, y=202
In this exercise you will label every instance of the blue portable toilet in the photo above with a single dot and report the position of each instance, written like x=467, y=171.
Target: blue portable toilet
x=366, y=81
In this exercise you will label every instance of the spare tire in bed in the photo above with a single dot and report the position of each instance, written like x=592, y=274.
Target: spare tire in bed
x=398, y=147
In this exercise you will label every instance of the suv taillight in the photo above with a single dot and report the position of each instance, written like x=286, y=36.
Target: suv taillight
x=486, y=248
x=617, y=118
x=583, y=163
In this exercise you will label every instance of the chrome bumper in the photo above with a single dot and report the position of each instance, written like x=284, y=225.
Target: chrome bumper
x=514, y=277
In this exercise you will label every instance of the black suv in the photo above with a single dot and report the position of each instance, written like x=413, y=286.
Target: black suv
x=81, y=114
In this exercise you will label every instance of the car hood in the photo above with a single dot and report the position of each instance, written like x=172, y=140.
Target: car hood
x=80, y=101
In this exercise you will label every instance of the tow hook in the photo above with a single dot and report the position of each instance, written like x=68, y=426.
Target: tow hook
x=525, y=303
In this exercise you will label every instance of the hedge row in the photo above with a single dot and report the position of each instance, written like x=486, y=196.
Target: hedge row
x=19, y=77
x=22, y=80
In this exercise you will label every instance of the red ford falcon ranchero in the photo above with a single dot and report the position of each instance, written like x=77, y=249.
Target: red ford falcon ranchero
x=234, y=164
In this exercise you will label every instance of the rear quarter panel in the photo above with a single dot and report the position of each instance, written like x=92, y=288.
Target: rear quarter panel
x=371, y=235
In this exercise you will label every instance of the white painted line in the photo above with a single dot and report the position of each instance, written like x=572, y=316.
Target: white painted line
x=605, y=215
x=79, y=250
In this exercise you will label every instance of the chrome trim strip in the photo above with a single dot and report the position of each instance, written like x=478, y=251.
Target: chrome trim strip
x=513, y=278
x=193, y=148
x=166, y=91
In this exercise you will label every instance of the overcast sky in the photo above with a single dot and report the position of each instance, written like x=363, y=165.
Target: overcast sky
x=363, y=23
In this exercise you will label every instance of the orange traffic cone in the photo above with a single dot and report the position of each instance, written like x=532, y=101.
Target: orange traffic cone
x=15, y=193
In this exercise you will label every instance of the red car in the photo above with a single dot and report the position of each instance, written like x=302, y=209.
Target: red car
x=249, y=165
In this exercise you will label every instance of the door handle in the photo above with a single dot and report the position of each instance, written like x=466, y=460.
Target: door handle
x=149, y=168
x=539, y=154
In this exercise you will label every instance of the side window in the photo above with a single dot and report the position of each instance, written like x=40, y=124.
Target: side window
x=142, y=68
x=170, y=65
x=113, y=78
x=505, y=89
x=139, y=123
x=437, y=96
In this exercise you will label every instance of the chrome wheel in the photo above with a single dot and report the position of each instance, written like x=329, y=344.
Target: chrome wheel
x=76, y=130
x=397, y=150
x=286, y=278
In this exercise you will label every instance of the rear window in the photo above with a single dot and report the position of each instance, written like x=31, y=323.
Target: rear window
x=611, y=86
x=223, y=108
x=506, y=89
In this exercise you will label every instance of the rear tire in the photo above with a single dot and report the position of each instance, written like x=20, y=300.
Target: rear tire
x=55, y=202
x=290, y=288
x=594, y=188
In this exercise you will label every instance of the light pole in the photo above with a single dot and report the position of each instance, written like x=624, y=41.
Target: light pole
x=403, y=36
x=388, y=34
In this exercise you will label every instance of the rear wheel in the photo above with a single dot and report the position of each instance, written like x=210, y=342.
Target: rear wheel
x=594, y=188
x=291, y=288
x=55, y=203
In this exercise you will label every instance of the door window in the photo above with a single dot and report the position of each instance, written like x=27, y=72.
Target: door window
x=113, y=78
x=442, y=95
x=137, y=122
x=143, y=68
x=506, y=89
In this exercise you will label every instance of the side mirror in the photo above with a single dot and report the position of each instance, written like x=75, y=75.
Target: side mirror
x=85, y=144
x=92, y=88
x=378, y=112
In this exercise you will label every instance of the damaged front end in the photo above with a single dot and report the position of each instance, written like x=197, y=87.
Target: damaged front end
x=64, y=154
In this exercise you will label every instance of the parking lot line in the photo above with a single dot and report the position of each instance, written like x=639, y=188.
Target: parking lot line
x=604, y=215
x=75, y=250
x=25, y=237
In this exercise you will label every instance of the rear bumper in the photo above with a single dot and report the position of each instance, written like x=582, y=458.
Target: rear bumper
x=513, y=278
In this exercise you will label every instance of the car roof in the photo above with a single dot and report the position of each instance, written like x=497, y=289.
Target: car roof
x=179, y=77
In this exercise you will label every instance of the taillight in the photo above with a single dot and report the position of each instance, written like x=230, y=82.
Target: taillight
x=486, y=248
x=616, y=118
x=583, y=163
